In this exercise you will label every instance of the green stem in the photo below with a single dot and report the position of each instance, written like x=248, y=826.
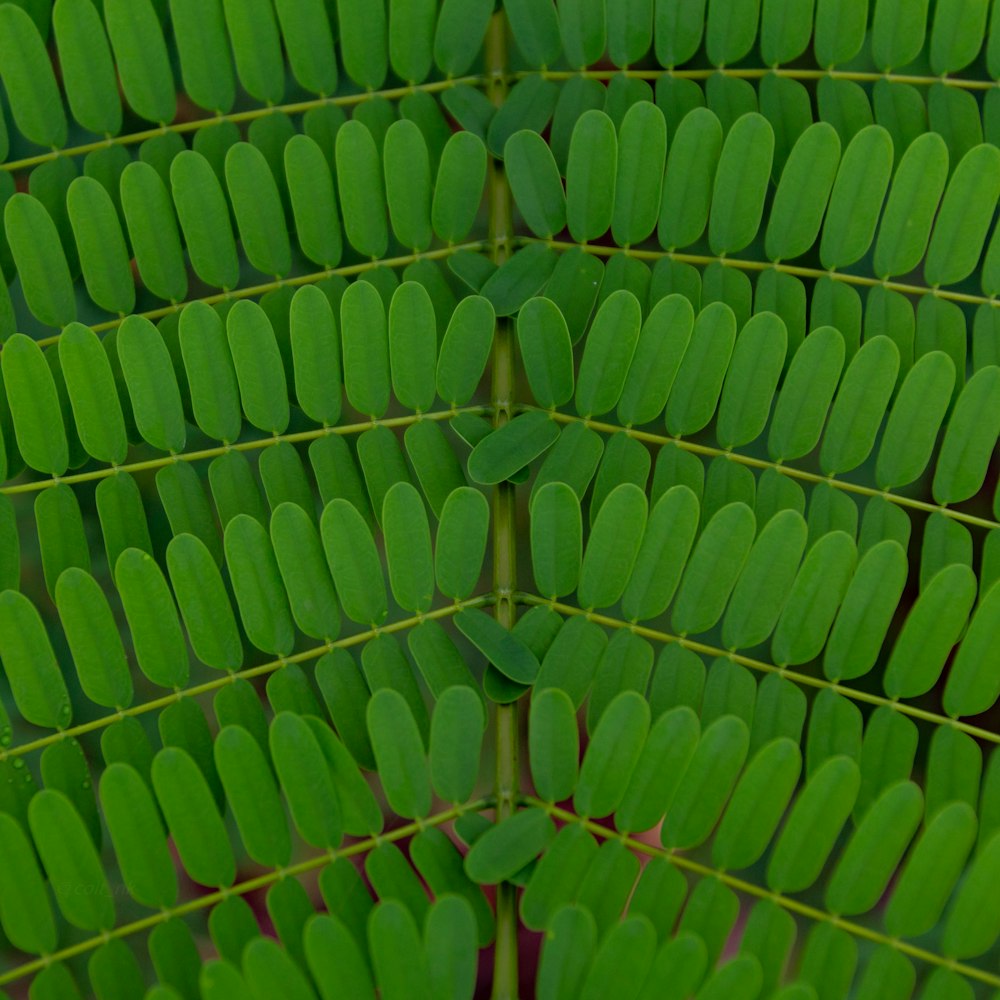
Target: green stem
x=505, y=971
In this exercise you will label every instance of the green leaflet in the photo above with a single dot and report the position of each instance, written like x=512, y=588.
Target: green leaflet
x=314, y=205
x=696, y=389
x=316, y=354
x=535, y=183
x=259, y=370
x=713, y=569
x=554, y=745
x=687, y=187
x=309, y=43
x=257, y=584
x=354, y=563
x=867, y=611
x=963, y=220
x=141, y=58
x=408, y=548
x=508, y=846
x=363, y=42
x=101, y=246
x=547, y=352
x=511, y=447
x=590, y=176
x=211, y=377
x=412, y=346
x=365, y=339
x=971, y=687
x=856, y=199
x=90, y=384
x=359, y=181
x=912, y=428
x=41, y=263
x=138, y=837
x=607, y=355
x=570, y=941
x=465, y=350
x=803, y=192
x=556, y=540
x=613, y=547
x=455, y=742
x=741, y=182
x=751, y=379
x=399, y=753
x=913, y=200
x=509, y=654
x=85, y=64
x=270, y=970
x=898, y=32
x=25, y=912
x=203, y=46
x=969, y=439
x=519, y=277
x=581, y=25
x=152, y=231
x=192, y=817
x=253, y=33
x=458, y=188
x=808, y=389
x=611, y=756
x=759, y=801
x=876, y=848
x=642, y=151
x=459, y=32
x=971, y=925
x=34, y=406
x=461, y=540
x=706, y=783
x=28, y=79
x=336, y=960
x=253, y=796
x=257, y=206
x=204, y=217
x=408, y=184
x=861, y=402
x=204, y=604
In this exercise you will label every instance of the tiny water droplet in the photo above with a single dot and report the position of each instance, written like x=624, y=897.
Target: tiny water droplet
x=65, y=713
x=86, y=783
x=6, y=735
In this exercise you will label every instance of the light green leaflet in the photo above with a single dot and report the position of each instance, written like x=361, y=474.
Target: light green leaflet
x=34, y=406
x=713, y=568
x=642, y=151
x=507, y=847
x=913, y=200
x=412, y=346
x=969, y=439
x=257, y=206
x=314, y=204
x=465, y=350
x=696, y=389
x=30, y=665
x=152, y=618
x=399, y=753
x=204, y=604
x=554, y=745
x=259, y=370
x=253, y=796
x=408, y=184
x=193, y=818
x=41, y=263
x=608, y=353
x=914, y=421
x=556, y=540
x=29, y=81
x=509, y=654
x=581, y=26
x=408, y=548
x=363, y=42
x=751, y=380
x=211, y=377
x=666, y=542
x=256, y=46
x=362, y=195
x=316, y=353
x=203, y=46
x=455, y=742
x=101, y=246
x=138, y=836
x=972, y=682
x=142, y=59
x=25, y=911
x=687, y=187
x=571, y=939
x=803, y=192
x=461, y=540
x=613, y=546
x=547, y=352
x=204, y=217
x=503, y=452
x=336, y=960
x=806, y=395
x=590, y=176
x=305, y=28
x=365, y=339
x=856, y=199
x=535, y=183
x=153, y=231
x=741, y=182
x=458, y=187
x=861, y=402
x=354, y=563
